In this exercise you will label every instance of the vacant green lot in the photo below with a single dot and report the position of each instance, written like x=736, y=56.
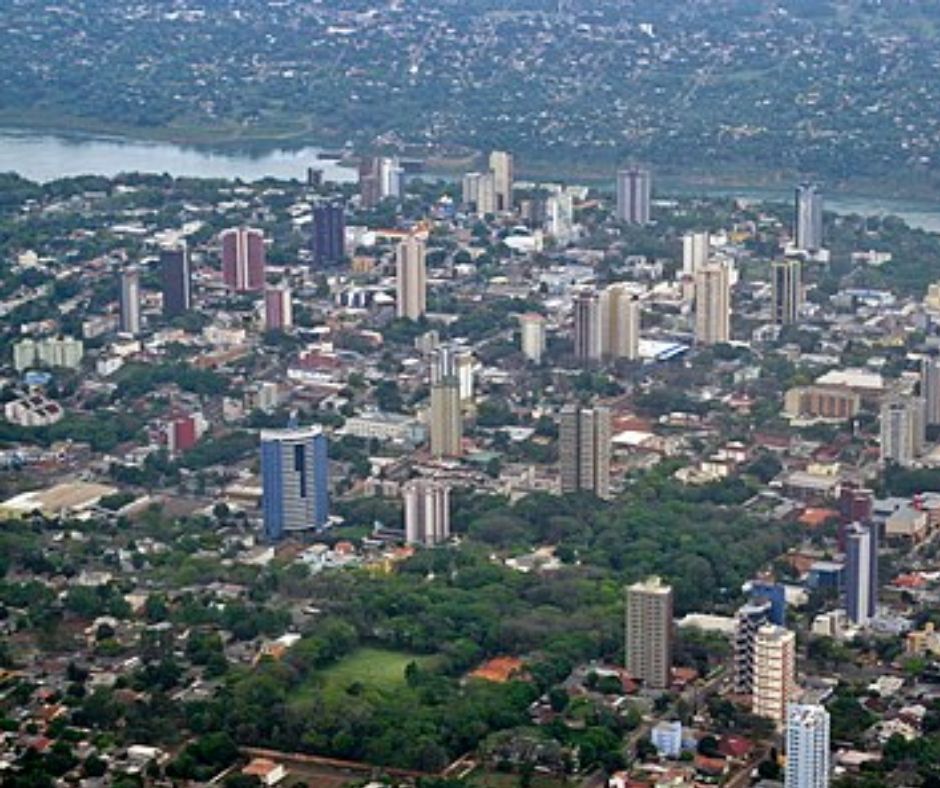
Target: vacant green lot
x=375, y=668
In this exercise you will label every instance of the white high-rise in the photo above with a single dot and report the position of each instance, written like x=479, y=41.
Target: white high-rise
x=560, y=216
x=695, y=252
x=809, y=218
x=712, y=304
x=411, y=279
x=130, y=301
x=902, y=430
x=774, y=672
x=808, y=759
x=533, y=336
x=620, y=323
x=427, y=511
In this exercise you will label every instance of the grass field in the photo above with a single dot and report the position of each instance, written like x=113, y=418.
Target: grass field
x=372, y=667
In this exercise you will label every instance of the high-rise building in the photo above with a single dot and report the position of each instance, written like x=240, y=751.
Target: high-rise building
x=295, y=480
x=370, y=182
x=479, y=192
x=648, y=644
x=776, y=594
x=454, y=361
x=633, y=195
x=696, y=248
x=130, y=301
x=184, y=431
x=902, y=430
x=501, y=165
x=65, y=352
x=175, y=279
x=391, y=178
x=809, y=218
x=620, y=323
x=278, y=308
x=560, y=216
x=787, y=291
x=774, y=672
x=930, y=389
x=587, y=326
x=750, y=618
x=808, y=756
x=427, y=512
x=328, y=242
x=533, y=336
x=243, y=259
x=411, y=279
x=861, y=572
x=584, y=450
x=712, y=304
x=446, y=418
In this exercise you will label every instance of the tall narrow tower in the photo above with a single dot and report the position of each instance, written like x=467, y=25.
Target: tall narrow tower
x=648, y=646
x=411, y=279
x=712, y=305
x=633, y=195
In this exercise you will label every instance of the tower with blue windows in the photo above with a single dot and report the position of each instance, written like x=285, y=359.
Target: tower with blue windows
x=294, y=479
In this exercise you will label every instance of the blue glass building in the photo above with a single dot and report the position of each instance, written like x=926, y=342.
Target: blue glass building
x=776, y=594
x=294, y=479
x=328, y=243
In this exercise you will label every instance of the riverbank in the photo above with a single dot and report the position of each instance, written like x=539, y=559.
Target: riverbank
x=44, y=156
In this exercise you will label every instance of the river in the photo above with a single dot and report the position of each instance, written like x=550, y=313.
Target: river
x=43, y=157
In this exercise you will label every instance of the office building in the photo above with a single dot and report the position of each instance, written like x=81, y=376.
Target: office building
x=776, y=594
x=712, y=304
x=861, y=572
x=278, y=308
x=749, y=618
x=696, y=248
x=328, y=242
x=587, y=326
x=584, y=450
x=446, y=418
x=620, y=323
x=411, y=279
x=633, y=195
x=786, y=291
x=427, y=512
x=501, y=166
x=930, y=389
x=809, y=218
x=176, y=280
x=295, y=481
x=902, y=430
x=774, y=672
x=807, y=742
x=532, y=327
x=130, y=301
x=243, y=259
x=648, y=644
